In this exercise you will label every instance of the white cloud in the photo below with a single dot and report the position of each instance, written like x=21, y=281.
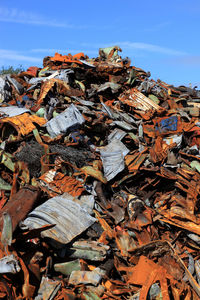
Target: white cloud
x=145, y=47
x=62, y=51
x=16, y=56
x=11, y=56
x=186, y=60
x=150, y=48
x=23, y=17
x=46, y=50
x=7, y=56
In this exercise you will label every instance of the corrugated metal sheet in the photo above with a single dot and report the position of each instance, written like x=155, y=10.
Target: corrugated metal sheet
x=138, y=100
x=70, y=218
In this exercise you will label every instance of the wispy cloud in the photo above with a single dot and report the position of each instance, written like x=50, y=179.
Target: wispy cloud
x=145, y=47
x=47, y=50
x=14, y=15
x=63, y=51
x=186, y=60
x=12, y=56
x=16, y=56
x=150, y=48
x=8, y=56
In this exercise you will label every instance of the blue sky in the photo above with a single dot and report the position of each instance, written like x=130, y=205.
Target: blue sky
x=159, y=36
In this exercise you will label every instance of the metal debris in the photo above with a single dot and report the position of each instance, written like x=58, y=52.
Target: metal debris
x=99, y=182
x=69, y=217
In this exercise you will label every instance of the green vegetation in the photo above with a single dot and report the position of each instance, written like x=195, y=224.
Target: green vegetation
x=11, y=70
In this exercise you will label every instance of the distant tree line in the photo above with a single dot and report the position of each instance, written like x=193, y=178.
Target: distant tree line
x=11, y=70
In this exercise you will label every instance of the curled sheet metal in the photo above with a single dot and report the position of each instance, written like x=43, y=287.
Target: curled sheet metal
x=18, y=207
x=62, y=75
x=59, y=124
x=60, y=184
x=113, y=86
x=112, y=157
x=24, y=123
x=69, y=217
x=191, y=266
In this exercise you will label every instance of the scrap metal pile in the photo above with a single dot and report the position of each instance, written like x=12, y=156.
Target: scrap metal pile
x=100, y=182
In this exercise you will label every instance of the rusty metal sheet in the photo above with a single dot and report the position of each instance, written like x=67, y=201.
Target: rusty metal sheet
x=56, y=183
x=24, y=123
x=20, y=205
x=137, y=100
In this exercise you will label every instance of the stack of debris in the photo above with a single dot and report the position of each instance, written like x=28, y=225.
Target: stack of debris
x=99, y=182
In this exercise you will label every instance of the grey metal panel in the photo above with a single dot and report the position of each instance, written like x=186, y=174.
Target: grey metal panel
x=9, y=264
x=11, y=111
x=59, y=125
x=70, y=217
x=112, y=157
x=116, y=134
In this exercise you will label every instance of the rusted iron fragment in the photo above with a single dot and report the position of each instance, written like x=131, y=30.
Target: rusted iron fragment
x=20, y=205
x=55, y=183
x=136, y=99
x=22, y=124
